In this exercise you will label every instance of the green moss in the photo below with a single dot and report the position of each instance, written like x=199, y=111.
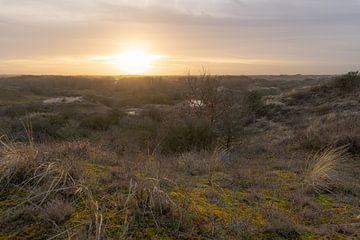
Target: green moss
x=309, y=236
x=32, y=231
x=325, y=199
x=114, y=222
x=271, y=199
x=80, y=215
x=287, y=175
x=11, y=198
x=208, y=205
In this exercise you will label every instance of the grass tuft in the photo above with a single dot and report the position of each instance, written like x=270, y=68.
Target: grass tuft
x=325, y=169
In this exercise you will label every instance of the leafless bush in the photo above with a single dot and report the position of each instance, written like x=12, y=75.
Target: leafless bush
x=227, y=110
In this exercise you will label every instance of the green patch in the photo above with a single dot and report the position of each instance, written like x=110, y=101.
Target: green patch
x=33, y=231
x=325, y=199
x=80, y=215
x=273, y=200
x=94, y=172
x=221, y=206
x=285, y=174
x=11, y=198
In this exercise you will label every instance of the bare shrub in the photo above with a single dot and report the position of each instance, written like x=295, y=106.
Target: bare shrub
x=325, y=169
x=227, y=110
x=224, y=108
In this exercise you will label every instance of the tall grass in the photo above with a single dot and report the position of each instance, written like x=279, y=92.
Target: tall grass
x=325, y=169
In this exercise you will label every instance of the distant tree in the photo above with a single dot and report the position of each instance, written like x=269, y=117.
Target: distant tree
x=222, y=107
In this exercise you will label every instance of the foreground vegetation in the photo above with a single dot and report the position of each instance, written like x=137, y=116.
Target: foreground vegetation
x=197, y=157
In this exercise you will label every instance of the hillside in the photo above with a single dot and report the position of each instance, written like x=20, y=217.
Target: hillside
x=196, y=157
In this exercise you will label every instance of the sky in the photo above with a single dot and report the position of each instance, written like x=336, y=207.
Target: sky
x=87, y=37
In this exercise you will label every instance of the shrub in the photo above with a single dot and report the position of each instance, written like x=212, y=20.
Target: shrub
x=183, y=135
x=70, y=130
x=253, y=103
x=348, y=82
x=99, y=122
x=227, y=110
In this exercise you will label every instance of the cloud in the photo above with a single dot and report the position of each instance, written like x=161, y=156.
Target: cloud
x=241, y=12
x=282, y=30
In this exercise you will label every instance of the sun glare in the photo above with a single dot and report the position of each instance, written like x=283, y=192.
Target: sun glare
x=135, y=61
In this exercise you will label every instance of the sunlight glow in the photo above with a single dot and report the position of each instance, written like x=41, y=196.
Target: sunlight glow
x=135, y=61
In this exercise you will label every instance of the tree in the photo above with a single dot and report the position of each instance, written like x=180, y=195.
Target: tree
x=223, y=107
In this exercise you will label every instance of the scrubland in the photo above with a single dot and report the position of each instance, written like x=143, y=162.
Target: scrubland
x=193, y=157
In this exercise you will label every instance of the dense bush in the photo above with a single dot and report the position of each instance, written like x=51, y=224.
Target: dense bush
x=99, y=122
x=348, y=82
x=183, y=135
x=253, y=103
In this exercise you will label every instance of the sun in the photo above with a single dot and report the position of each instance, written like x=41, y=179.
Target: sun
x=135, y=61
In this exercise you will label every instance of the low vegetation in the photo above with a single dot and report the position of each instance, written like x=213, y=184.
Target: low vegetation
x=197, y=157
x=326, y=168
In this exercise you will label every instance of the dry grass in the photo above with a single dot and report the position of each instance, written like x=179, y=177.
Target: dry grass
x=332, y=130
x=57, y=210
x=51, y=179
x=120, y=184
x=146, y=202
x=325, y=168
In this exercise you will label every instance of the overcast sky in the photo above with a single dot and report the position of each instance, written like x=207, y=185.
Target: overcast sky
x=225, y=36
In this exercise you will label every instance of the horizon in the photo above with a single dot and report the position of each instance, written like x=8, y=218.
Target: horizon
x=168, y=75
x=153, y=38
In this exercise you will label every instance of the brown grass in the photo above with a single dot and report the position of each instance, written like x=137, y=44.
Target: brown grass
x=332, y=130
x=325, y=168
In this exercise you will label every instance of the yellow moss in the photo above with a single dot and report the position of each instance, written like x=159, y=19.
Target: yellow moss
x=273, y=200
x=285, y=174
x=78, y=217
x=227, y=206
x=33, y=231
x=325, y=199
x=12, y=198
x=94, y=169
x=94, y=172
x=309, y=236
x=81, y=214
x=114, y=222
